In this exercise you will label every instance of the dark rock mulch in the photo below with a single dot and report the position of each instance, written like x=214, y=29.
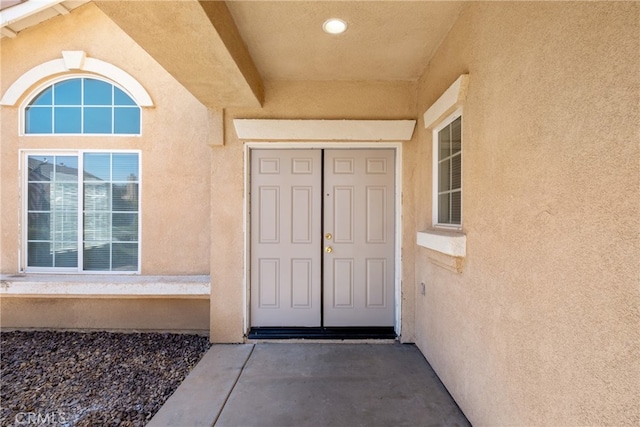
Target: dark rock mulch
x=89, y=379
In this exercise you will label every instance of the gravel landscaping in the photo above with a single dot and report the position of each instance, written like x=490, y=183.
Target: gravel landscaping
x=90, y=379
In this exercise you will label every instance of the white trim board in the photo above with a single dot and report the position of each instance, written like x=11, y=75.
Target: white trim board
x=24, y=10
x=450, y=100
x=446, y=242
x=61, y=286
x=324, y=130
x=75, y=61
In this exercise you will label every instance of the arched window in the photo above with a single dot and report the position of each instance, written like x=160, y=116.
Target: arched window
x=80, y=206
x=82, y=105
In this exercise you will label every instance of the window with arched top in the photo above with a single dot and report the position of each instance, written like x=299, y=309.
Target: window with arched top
x=82, y=105
x=80, y=205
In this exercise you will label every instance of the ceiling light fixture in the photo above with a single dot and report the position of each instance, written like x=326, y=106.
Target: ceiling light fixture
x=334, y=26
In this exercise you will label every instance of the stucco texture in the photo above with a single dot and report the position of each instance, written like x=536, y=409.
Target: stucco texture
x=133, y=314
x=175, y=155
x=542, y=325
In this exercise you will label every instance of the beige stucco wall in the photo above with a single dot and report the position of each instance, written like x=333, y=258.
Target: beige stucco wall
x=134, y=314
x=284, y=100
x=175, y=155
x=542, y=326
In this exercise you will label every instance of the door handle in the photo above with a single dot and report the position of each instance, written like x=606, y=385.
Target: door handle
x=328, y=236
x=328, y=249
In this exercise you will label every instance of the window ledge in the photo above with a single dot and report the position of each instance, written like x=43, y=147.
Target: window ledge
x=452, y=243
x=107, y=286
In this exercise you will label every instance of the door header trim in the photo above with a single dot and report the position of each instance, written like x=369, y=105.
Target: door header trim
x=324, y=130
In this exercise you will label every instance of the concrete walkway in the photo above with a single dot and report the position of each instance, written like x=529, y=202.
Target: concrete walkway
x=311, y=385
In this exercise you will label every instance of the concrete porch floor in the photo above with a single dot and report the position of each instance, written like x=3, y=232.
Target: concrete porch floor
x=308, y=384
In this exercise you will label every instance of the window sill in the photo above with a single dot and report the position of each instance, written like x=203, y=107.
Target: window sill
x=107, y=286
x=453, y=243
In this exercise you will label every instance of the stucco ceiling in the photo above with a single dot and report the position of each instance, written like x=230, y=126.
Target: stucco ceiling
x=385, y=40
x=223, y=52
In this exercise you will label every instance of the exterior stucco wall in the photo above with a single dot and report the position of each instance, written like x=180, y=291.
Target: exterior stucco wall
x=135, y=314
x=175, y=156
x=284, y=100
x=542, y=325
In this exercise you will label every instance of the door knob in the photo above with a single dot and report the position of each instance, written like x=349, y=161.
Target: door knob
x=328, y=249
x=328, y=236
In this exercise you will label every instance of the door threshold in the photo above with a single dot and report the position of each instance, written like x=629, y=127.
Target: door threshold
x=323, y=333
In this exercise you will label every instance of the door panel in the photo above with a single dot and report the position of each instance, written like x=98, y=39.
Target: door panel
x=286, y=236
x=359, y=213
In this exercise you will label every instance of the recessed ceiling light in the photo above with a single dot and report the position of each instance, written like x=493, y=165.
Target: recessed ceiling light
x=334, y=26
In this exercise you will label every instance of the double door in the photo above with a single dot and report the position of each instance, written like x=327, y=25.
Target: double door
x=322, y=237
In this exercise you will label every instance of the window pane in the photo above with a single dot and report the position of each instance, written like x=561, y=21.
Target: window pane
x=125, y=256
x=125, y=227
x=66, y=254
x=444, y=173
x=97, y=167
x=66, y=212
x=61, y=219
x=456, y=135
x=97, y=197
x=38, y=120
x=65, y=197
x=67, y=119
x=122, y=98
x=39, y=168
x=83, y=106
x=39, y=226
x=444, y=143
x=443, y=208
x=66, y=168
x=127, y=120
x=97, y=227
x=456, y=171
x=39, y=197
x=97, y=256
x=44, y=98
x=39, y=254
x=456, y=205
x=97, y=120
x=65, y=226
x=97, y=92
x=125, y=167
x=125, y=197
x=67, y=92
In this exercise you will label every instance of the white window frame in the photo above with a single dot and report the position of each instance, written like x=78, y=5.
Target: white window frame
x=51, y=82
x=435, y=181
x=24, y=193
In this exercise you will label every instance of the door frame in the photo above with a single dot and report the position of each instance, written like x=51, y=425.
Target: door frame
x=396, y=146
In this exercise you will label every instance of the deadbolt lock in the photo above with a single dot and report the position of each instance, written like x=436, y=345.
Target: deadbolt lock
x=328, y=249
x=328, y=236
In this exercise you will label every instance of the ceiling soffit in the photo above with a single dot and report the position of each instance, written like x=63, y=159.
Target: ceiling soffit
x=196, y=42
x=385, y=40
x=18, y=15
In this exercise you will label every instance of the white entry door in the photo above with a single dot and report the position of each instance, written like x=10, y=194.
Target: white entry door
x=322, y=237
